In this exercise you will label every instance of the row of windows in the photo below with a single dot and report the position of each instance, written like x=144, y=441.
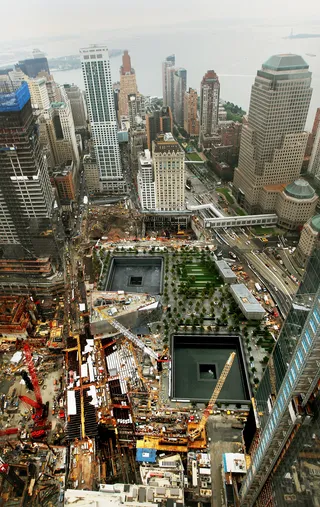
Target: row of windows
x=285, y=393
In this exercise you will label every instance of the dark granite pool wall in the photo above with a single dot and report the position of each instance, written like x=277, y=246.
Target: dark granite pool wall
x=122, y=269
x=188, y=351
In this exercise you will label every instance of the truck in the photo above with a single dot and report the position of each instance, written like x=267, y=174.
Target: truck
x=266, y=300
x=258, y=287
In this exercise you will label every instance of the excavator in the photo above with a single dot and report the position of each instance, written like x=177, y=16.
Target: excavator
x=195, y=430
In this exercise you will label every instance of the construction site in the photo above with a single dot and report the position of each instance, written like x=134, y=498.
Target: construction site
x=96, y=400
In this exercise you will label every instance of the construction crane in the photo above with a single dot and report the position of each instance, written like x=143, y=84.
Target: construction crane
x=128, y=334
x=41, y=409
x=196, y=432
x=9, y=431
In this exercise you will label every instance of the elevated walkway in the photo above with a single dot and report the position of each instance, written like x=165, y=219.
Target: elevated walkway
x=233, y=221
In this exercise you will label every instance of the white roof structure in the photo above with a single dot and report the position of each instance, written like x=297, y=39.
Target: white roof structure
x=234, y=462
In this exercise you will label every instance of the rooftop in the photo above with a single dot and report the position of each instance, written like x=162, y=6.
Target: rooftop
x=285, y=61
x=225, y=269
x=166, y=142
x=245, y=298
x=300, y=189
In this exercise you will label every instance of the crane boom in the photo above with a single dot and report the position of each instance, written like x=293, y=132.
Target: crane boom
x=225, y=372
x=128, y=334
x=133, y=338
x=33, y=374
x=30, y=402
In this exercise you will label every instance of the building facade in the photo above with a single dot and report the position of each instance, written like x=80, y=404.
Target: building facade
x=100, y=102
x=26, y=197
x=169, y=173
x=77, y=104
x=63, y=180
x=33, y=66
x=282, y=431
x=190, y=112
x=58, y=134
x=136, y=110
x=169, y=63
x=128, y=84
x=91, y=174
x=314, y=162
x=273, y=140
x=309, y=240
x=180, y=86
x=158, y=122
x=209, y=107
x=145, y=180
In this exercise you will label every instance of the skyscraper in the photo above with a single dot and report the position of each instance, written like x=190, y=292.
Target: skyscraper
x=273, y=140
x=33, y=66
x=169, y=173
x=282, y=431
x=209, y=107
x=191, y=122
x=77, y=104
x=169, y=62
x=145, y=180
x=136, y=109
x=128, y=84
x=314, y=162
x=26, y=196
x=158, y=122
x=99, y=93
x=180, y=86
x=58, y=134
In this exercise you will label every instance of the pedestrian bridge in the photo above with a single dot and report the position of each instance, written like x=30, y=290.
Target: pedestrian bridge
x=233, y=221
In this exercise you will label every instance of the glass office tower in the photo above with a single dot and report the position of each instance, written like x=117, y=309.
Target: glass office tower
x=282, y=433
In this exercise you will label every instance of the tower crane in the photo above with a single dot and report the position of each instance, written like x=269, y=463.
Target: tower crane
x=196, y=432
x=41, y=409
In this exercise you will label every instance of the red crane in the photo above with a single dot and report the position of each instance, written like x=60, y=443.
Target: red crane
x=41, y=410
x=9, y=431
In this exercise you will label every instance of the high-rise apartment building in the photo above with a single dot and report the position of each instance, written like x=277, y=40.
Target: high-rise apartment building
x=158, y=122
x=26, y=197
x=128, y=84
x=283, y=428
x=91, y=174
x=169, y=173
x=273, y=140
x=191, y=122
x=77, y=104
x=209, y=107
x=167, y=77
x=145, y=180
x=136, y=110
x=100, y=102
x=180, y=86
x=58, y=134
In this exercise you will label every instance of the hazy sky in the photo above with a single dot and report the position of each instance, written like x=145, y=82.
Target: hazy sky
x=23, y=19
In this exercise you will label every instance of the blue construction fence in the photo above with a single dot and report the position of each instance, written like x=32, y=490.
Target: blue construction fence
x=15, y=99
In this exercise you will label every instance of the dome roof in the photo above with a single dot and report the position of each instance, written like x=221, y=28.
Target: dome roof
x=300, y=189
x=285, y=62
x=315, y=223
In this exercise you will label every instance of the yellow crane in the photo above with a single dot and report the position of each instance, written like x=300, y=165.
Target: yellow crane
x=196, y=432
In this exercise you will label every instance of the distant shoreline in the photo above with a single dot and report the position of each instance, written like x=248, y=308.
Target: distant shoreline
x=303, y=36
x=72, y=62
